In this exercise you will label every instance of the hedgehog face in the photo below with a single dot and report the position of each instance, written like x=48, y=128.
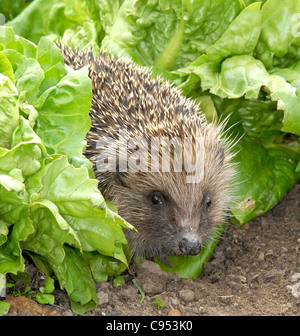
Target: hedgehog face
x=174, y=210
x=171, y=215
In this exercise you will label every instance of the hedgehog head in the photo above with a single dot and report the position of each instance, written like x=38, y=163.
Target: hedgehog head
x=173, y=190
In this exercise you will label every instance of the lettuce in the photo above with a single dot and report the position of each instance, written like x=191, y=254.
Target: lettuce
x=76, y=22
x=10, y=9
x=50, y=208
x=239, y=59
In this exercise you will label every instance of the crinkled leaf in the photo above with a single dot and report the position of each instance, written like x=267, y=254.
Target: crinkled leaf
x=27, y=73
x=265, y=175
x=11, y=259
x=51, y=232
x=241, y=36
x=26, y=151
x=74, y=275
x=52, y=62
x=102, y=266
x=259, y=119
x=9, y=108
x=278, y=43
x=81, y=205
x=32, y=22
x=245, y=76
x=25, y=157
x=3, y=232
x=76, y=22
x=12, y=195
x=6, y=68
x=169, y=34
x=45, y=298
x=288, y=101
x=59, y=127
x=47, y=203
x=49, y=286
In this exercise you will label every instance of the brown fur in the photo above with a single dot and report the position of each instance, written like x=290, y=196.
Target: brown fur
x=126, y=97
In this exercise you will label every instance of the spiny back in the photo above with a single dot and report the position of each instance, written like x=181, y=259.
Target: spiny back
x=132, y=99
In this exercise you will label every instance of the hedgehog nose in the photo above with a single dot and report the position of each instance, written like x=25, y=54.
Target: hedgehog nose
x=190, y=245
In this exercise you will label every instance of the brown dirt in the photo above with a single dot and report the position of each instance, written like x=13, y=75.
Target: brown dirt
x=250, y=273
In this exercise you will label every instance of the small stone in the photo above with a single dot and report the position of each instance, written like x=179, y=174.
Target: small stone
x=187, y=295
x=295, y=277
x=174, y=302
x=270, y=253
x=274, y=275
x=261, y=256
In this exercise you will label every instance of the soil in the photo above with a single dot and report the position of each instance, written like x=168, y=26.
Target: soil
x=254, y=271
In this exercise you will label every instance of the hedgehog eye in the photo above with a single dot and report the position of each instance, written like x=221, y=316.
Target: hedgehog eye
x=157, y=199
x=207, y=201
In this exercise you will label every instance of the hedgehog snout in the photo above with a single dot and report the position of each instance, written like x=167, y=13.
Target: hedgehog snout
x=190, y=245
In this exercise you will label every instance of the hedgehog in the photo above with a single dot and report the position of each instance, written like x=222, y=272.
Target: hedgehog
x=155, y=156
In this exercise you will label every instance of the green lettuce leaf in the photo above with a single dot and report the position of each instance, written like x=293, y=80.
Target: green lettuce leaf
x=26, y=151
x=80, y=203
x=102, y=266
x=278, y=43
x=10, y=9
x=169, y=34
x=11, y=190
x=59, y=127
x=6, y=68
x=28, y=74
x=51, y=232
x=74, y=275
x=52, y=63
x=49, y=208
x=241, y=36
x=9, y=106
x=11, y=259
x=77, y=22
x=3, y=232
x=266, y=173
